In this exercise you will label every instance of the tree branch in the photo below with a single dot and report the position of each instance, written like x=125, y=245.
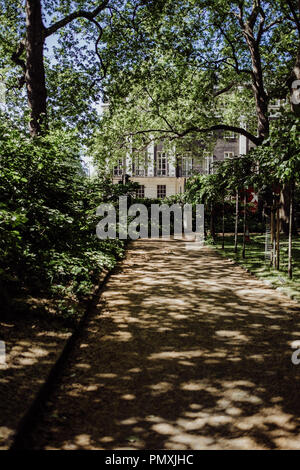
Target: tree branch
x=224, y=90
x=218, y=127
x=273, y=23
x=234, y=56
x=296, y=18
x=17, y=54
x=104, y=69
x=223, y=127
x=261, y=28
x=89, y=15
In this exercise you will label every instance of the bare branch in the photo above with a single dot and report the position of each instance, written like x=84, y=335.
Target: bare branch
x=261, y=29
x=296, y=17
x=224, y=90
x=147, y=131
x=20, y=83
x=273, y=23
x=89, y=15
x=239, y=71
x=253, y=17
x=234, y=56
x=224, y=127
x=194, y=129
x=102, y=66
x=241, y=15
x=16, y=56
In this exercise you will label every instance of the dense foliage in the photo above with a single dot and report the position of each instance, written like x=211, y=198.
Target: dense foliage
x=48, y=217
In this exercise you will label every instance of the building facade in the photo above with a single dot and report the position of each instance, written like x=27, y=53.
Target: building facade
x=163, y=173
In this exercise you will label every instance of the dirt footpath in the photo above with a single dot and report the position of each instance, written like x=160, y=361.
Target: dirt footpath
x=184, y=351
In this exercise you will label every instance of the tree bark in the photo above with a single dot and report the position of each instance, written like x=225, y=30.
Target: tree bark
x=33, y=67
x=253, y=43
x=35, y=71
x=284, y=208
x=261, y=98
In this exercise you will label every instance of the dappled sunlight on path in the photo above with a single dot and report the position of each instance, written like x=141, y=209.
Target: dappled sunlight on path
x=184, y=351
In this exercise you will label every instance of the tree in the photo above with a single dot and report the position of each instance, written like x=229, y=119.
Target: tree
x=232, y=60
x=224, y=46
x=32, y=46
x=25, y=32
x=279, y=166
x=292, y=12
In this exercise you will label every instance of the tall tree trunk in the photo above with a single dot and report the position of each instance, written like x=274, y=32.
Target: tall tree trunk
x=290, y=258
x=236, y=221
x=35, y=71
x=261, y=97
x=284, y=211
x=245, y=223
x=284, y=208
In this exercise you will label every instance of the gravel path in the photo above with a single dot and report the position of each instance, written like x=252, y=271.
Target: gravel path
x=183, y=351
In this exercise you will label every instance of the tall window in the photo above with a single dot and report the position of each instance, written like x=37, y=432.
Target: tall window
x=161, y=164
x=140, y=165
x=141, y=191
x=187, y=165
x=208, y=163
x=161, y=190
x=118, y=169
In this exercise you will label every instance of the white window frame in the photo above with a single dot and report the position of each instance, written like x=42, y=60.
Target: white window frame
x=187, y=164
x=140, y=164
x=161, y=163
x=208, y=160
x=228, y=154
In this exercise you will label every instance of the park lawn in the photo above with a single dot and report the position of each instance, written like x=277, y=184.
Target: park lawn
x=256, y=263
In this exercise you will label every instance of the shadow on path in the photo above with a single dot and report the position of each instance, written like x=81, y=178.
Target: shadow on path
x=184, y=351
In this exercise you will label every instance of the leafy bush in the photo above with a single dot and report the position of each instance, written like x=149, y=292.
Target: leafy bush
x=48, y=242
